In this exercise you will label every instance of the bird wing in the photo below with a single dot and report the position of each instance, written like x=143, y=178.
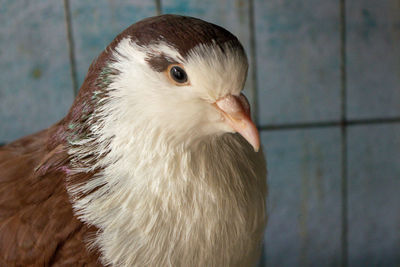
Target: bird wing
x=37, y=225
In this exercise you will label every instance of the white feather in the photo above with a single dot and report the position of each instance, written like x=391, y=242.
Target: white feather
x=176, y=188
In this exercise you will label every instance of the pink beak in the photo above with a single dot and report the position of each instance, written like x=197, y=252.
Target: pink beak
x=236, y=111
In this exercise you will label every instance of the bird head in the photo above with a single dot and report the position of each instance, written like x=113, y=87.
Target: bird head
x=172, y=78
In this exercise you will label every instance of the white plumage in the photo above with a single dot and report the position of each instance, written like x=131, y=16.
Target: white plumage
x=177, y=186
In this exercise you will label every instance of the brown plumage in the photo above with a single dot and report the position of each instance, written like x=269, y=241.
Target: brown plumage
x=37, y=225
x=39, y=173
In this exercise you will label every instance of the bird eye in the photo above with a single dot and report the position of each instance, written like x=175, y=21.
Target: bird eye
x=178, y=74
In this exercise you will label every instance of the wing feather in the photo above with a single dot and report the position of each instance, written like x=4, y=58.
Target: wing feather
x=37, y=224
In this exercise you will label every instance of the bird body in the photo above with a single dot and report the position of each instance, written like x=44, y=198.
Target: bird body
x=146, y=168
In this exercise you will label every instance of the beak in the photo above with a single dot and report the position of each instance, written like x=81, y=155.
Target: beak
x=236, y=112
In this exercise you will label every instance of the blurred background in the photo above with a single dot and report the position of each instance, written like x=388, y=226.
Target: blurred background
x=324, y=83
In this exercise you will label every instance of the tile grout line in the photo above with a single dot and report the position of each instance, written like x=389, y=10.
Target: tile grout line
x=343, y=127
x=158, y=7
x=253, y=56
x=71, y=47
x=324, y=124
x=254, y=95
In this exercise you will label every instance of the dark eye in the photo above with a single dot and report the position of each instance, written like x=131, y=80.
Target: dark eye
x=178, y=74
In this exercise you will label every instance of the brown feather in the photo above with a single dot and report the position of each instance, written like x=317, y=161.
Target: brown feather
x=37, y=225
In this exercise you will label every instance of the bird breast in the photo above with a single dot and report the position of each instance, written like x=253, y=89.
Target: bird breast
x=202, y=207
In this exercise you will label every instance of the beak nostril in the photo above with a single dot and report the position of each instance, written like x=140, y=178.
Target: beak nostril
x=229, y=104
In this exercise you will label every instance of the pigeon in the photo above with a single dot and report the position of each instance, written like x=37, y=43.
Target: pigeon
x=157, y=163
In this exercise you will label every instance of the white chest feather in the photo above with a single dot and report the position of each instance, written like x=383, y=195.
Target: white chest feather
x=179, y=208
